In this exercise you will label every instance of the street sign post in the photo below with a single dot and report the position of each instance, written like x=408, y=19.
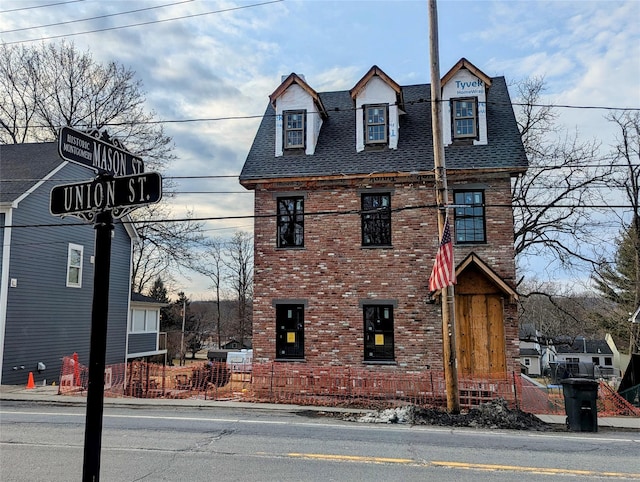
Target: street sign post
x=106, y=193
x=105, y=157
x=120, y=187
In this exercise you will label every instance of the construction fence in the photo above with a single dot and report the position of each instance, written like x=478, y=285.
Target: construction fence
x=332, y=386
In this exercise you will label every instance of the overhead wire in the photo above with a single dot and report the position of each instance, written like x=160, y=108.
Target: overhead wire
x=39, y=6
x=88, y=19
x=150, y=22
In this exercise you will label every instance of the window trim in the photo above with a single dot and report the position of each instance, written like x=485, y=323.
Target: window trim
x=368, y=345
x=74, y=247
x=379, y=216
x=367, y=124
x=293, y=220
x=473, y=117
x=286, y=130
x=460, y=213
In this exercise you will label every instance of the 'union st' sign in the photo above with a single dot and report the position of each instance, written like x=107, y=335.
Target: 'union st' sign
x=105, y=157
x=106, y=193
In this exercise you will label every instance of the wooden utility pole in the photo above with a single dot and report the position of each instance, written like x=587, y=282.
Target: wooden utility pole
x=442, y=198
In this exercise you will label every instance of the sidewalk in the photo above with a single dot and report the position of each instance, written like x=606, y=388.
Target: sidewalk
x=49, y=394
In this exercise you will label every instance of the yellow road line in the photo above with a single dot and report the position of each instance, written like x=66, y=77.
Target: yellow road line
x=354, y=458
x=537, y=470
x=468, y=466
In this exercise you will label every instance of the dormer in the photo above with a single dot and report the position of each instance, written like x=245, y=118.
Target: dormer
x=464, y=105
x=299, y=116
x=378, y=102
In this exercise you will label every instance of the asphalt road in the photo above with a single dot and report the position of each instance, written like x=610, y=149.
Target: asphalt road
x=45, y=443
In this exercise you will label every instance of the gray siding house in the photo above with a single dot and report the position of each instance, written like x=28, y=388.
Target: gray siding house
x=144, y=338
x=47, y=270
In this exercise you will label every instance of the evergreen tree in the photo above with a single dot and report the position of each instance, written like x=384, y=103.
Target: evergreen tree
x=618, y=282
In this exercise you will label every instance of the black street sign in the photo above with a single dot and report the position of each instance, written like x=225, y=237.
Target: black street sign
x=104, y=157
x=106, y=193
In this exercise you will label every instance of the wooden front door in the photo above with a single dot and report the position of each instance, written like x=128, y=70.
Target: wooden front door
x=480, y=343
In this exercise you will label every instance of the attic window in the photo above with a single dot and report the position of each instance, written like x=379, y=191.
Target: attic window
x=375, y=124
x=294, y=129
x=465, y=115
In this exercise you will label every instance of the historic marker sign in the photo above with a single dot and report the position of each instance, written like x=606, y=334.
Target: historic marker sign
x=105, y=157
x=106, y=193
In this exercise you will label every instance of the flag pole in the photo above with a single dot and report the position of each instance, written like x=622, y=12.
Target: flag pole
x=448, y=296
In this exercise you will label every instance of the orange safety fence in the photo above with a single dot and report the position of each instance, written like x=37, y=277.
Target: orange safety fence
x=319, y=386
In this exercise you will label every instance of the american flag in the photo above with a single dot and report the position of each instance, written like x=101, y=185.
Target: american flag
x=443, y=273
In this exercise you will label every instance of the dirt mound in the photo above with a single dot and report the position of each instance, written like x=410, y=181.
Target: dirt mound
x=494, y=414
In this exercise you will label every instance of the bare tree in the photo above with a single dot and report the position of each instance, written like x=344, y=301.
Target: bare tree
x=553, y=202
x=239, y=261
x=619, y=280
x=165, y=246
x=45, y=87
x=212, y=266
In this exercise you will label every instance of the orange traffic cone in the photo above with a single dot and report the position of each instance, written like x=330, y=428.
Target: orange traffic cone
x=31, y=383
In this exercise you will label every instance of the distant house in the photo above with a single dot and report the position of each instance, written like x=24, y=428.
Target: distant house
x=144, y=338
x=345, y=228
x=234, y=344
x=47, y=270
x=587, y=357
x=536, y=351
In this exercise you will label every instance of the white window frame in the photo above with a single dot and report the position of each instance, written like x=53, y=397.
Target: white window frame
x=145, y=322
x=74, y=248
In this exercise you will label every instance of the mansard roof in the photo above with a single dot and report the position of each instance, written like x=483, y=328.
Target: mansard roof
x=336, y=155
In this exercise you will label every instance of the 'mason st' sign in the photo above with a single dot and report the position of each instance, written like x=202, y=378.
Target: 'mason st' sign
x=106, y=193
x=82, y=148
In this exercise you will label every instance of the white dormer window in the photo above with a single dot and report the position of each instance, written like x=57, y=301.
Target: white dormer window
x=464, y=118
x=376, y=124
x=294, y=129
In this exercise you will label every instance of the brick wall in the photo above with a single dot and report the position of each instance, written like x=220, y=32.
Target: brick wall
x=333, y=273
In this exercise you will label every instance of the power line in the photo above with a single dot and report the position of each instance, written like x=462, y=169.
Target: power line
x=95, y=18
x=352, y=212
x=39, y=6
x=335, y=110
x=151, y=22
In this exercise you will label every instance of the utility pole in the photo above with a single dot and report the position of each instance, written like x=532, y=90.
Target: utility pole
x=184, y=315
x=442, y=198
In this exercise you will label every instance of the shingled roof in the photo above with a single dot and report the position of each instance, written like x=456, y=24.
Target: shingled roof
x=336, y=155
x=23, y=165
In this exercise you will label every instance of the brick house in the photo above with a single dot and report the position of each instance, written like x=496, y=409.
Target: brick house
x=346, y=232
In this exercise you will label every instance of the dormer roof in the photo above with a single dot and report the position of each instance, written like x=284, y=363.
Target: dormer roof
x=373, y=72
x=296, y=79
x=465, y=64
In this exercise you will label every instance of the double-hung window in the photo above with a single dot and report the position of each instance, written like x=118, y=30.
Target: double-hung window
x=470, y=217
x=290, y=222
x=375, y=117
x=378, y=332
x=74, y=265
x=289, y=331
x=376, y=219
x=464, y=118
x=294, y=129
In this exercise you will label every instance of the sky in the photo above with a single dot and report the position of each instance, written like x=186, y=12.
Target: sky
x=213, y=64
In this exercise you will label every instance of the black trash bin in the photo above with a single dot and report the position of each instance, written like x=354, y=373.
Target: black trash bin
x=580, y=397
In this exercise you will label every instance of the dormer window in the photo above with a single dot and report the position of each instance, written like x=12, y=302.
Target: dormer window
x=465, y=118
x=376, y=124
x=294, y=129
